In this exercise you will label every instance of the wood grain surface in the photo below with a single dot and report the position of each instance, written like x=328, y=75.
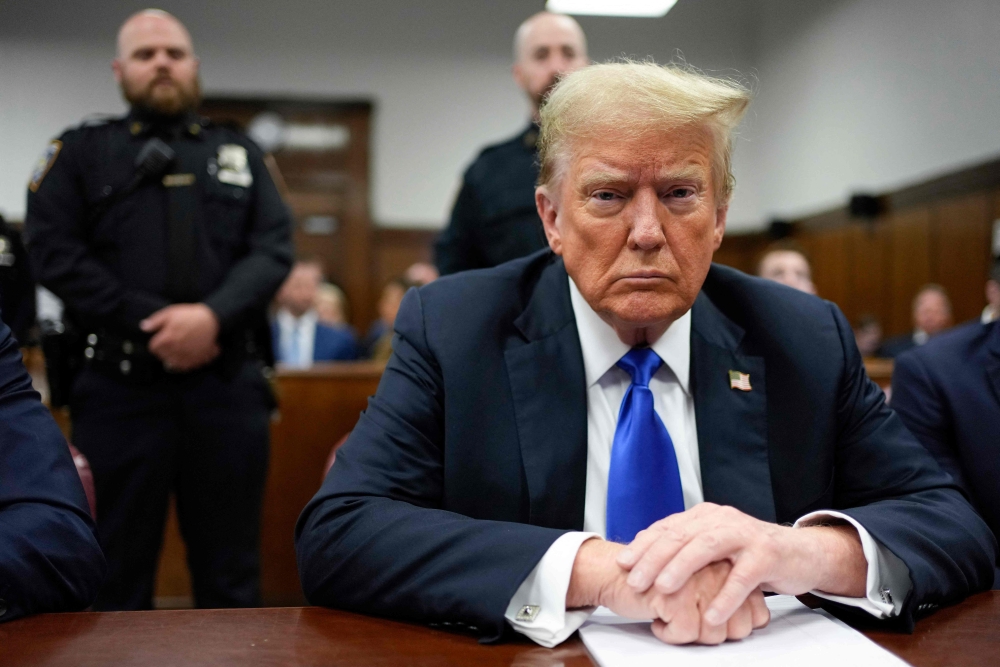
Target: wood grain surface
x=966, y=634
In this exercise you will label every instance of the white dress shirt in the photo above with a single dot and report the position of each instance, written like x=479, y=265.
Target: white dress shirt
x=299, y=329
x=538, y=608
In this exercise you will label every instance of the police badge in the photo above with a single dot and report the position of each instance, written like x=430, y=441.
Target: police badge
x=44, y=164
x=233, y=166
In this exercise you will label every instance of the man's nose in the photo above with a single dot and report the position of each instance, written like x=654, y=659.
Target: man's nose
x=647, y=228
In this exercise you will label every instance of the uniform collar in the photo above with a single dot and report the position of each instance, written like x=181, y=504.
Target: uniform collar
x=602, y=348
x=143, y=123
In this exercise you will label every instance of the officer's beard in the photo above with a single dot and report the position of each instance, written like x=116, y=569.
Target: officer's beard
x=164, y=99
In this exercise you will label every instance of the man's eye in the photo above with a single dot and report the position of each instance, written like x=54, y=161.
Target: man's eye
x=175, y=54
x=604, y=195
x=144, y=54
x=681, y=193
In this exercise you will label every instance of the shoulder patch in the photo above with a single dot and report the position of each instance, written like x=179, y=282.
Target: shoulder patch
x=44, y=164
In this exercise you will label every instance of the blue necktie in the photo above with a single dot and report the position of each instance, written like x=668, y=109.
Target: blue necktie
x=644, y=482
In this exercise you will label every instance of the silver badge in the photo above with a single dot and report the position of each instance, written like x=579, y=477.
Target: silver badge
x=233, y=166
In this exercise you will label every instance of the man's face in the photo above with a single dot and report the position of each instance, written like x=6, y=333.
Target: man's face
x=298, y=293
x=551, y=46
x=931, y=312
x=636, y=223
x=156, y=67
x=788, y=268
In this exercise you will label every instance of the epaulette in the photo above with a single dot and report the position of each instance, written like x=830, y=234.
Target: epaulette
x=97, y=120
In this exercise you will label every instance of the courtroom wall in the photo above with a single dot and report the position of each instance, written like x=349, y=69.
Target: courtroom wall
x=868, y=95
x=438, y=72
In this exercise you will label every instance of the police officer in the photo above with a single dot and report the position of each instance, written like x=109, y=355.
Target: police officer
x=494, y=219
x=17, y=289
x=166, y=238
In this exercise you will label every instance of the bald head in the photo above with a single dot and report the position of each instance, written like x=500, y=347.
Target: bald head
x=546, y=46
x=155, y=65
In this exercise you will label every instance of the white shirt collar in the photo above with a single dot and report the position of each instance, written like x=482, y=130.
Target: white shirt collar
x=602, y=348
x=289, y=322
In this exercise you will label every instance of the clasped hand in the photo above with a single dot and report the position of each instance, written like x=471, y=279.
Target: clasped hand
x=701, y=574
x=184, y=335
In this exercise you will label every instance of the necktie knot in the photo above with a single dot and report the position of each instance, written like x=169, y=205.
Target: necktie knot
x=641, y=363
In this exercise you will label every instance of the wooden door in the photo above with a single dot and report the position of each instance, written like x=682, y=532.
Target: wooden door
x=321, y=151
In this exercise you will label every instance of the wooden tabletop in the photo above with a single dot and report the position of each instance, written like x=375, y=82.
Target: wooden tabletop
x=968, y=634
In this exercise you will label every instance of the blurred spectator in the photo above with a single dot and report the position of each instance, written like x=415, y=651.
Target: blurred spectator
x=331, y=306
x=494, y=218
x=992, y=310
x=931, y=316
x=378, y=342
x=786, y=262
x=421, y=273
x=868, y=335
x=299, y=337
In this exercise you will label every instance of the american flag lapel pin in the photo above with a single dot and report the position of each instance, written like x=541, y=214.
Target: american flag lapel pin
x=739, y=381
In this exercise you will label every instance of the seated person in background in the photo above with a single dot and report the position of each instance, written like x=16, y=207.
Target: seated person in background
x=868, y=335
x=331, y=307
x=931, y=316
x=421, y=273
x=378, y=342
x=947, y=392
x=620, y=386
x=49, y=557
x=299, y=337
x=785, y=262
x=992, y=310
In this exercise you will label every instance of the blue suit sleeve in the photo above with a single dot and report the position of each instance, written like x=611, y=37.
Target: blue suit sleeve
x=921, y=407
x=376, y=538
x=49, y=557
x=896, y=490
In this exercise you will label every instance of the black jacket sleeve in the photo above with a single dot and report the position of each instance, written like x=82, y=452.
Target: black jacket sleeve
x=252, y=281
x=375, y=539
x=455, y=249
x=49, y=557
x=56, y=236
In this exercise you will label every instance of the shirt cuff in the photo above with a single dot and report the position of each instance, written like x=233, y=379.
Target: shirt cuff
x=538, y=608
x=888, y=581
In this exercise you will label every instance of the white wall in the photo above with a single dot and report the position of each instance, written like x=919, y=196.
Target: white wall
x=866, y=95
x=437, y=70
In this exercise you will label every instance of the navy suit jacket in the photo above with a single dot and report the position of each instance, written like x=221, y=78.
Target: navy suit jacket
x=471, y=458
x=329, y=344
x=49, y=557
x=947, y=392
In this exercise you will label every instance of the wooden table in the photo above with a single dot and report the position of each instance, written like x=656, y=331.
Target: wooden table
x=968, y=634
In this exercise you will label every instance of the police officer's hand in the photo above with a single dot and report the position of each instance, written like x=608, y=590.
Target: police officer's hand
x=184, y=335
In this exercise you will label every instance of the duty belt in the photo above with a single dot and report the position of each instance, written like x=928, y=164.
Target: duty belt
x=125, y=357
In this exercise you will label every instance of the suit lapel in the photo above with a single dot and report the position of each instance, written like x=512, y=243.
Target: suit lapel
x=545, y=367
x=732, y=424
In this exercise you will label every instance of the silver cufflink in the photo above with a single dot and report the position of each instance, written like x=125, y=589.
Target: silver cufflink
x=886, y=595
x=527, y=613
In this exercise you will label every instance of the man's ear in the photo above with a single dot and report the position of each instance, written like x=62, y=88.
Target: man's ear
x=518, y=75
x=720, y=226
x=116, y=67
x=548, y=211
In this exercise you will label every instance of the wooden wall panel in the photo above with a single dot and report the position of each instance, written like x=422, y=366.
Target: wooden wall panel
x=910, y=233
x=960, y=251
x=870, y=252
x=396, y=249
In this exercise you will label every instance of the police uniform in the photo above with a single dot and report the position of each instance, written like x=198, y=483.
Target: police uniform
x=17, y=290
x=210, y=228
x=494, y=219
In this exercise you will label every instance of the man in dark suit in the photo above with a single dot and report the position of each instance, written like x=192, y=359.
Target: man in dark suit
x=947, y=392
x=931, y=316
x=49, y=558
x=298, y=335
x=621, y=386
x=494, y=218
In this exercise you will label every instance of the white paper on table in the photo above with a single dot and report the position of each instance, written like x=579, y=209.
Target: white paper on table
x=795, y=636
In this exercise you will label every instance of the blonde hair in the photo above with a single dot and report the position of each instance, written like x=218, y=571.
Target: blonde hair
x=631, y=99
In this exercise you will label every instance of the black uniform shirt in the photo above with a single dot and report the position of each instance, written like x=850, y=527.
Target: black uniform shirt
x=112, y=269
x=494, y=219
